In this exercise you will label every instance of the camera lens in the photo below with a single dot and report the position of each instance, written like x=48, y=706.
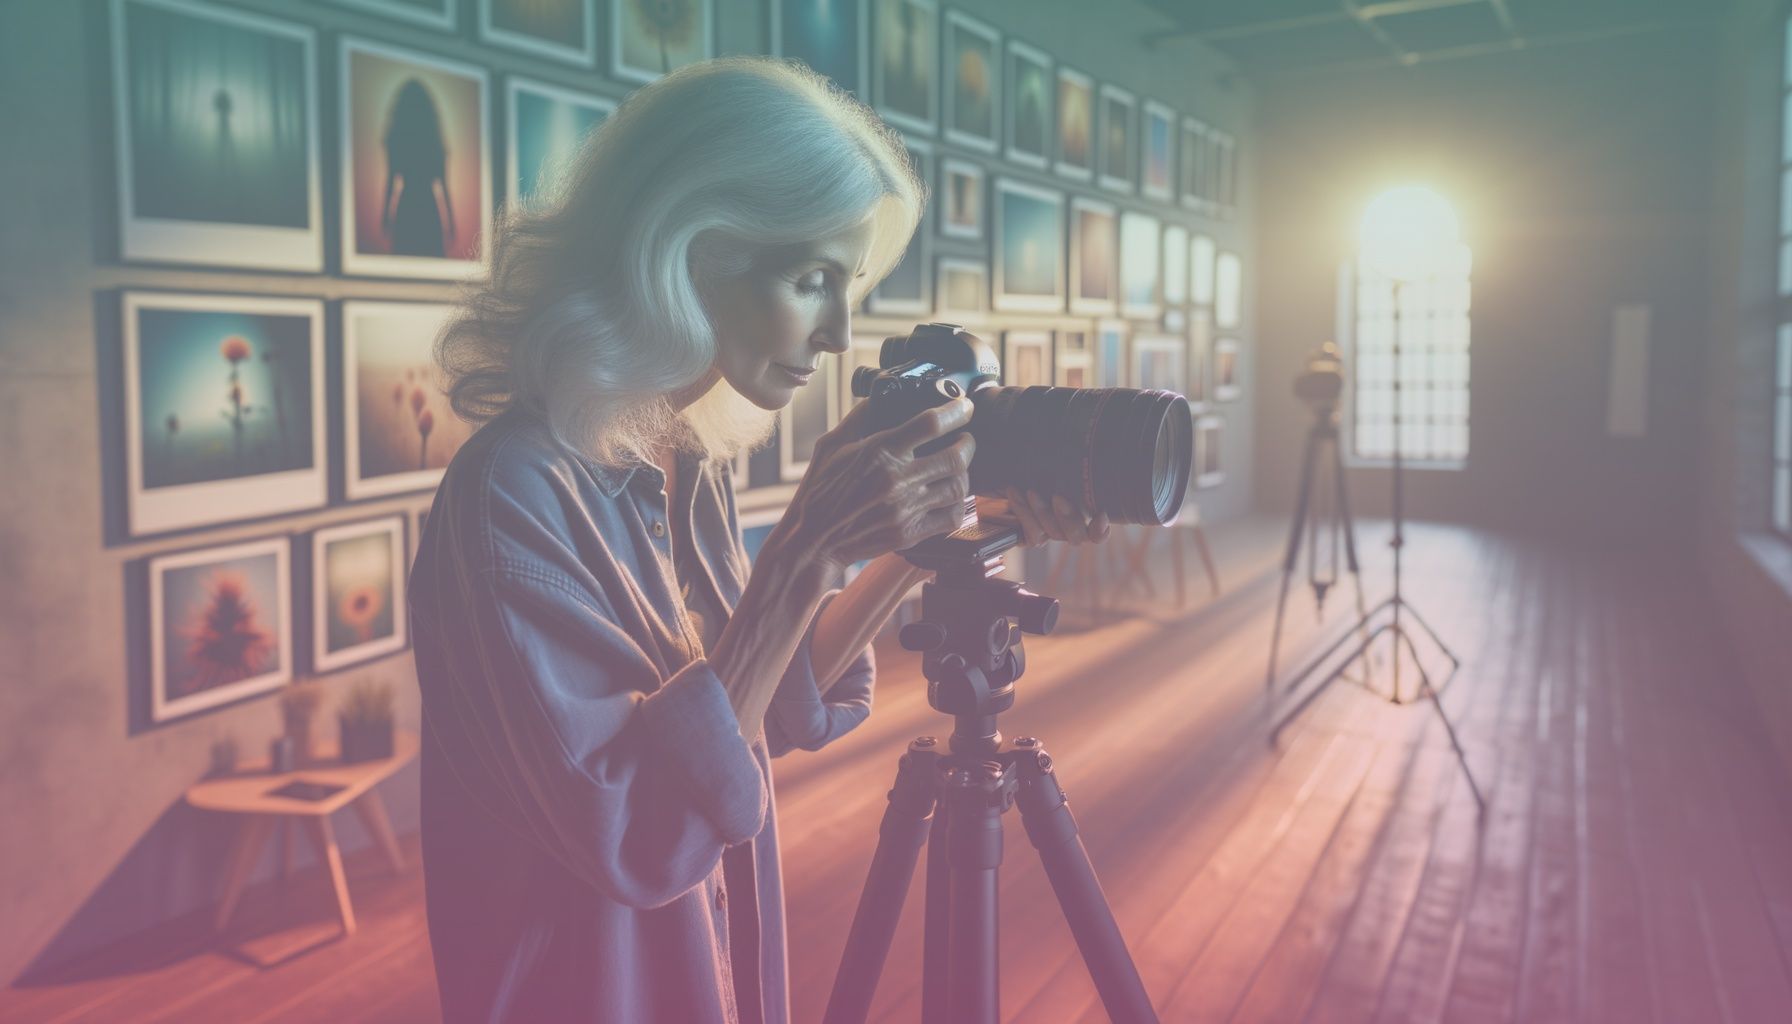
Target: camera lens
x=1122, y=451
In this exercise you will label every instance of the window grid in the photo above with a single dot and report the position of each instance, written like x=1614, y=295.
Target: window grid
x=1780, y=484
x=1433, y=369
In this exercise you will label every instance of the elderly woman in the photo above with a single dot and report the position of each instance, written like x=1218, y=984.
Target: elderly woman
x=603, y=681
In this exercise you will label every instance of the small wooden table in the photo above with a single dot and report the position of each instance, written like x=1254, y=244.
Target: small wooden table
x=247, y=794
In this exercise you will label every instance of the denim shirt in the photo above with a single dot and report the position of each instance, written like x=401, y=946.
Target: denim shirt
x=599, y=842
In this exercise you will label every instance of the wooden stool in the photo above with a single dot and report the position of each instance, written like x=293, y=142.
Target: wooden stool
x=248, y=795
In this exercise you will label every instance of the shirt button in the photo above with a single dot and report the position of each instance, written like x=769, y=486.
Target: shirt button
x=659, y=528
x=721, y=897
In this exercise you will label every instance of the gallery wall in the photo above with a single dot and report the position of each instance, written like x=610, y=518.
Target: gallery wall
x=98, y=843
x=1582, y=177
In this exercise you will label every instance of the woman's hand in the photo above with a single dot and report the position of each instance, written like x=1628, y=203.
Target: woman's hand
x=867, y=494
x=1042, y=520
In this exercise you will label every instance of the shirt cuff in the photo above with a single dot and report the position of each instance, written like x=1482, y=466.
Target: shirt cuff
x=694, y=730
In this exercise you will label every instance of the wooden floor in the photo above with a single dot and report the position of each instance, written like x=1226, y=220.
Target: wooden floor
x=1634, y=863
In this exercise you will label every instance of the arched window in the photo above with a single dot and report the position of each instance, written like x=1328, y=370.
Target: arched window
x=1780, y=485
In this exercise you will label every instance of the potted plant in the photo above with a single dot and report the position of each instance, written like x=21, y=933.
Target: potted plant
x=298, y=704
x=367, y=721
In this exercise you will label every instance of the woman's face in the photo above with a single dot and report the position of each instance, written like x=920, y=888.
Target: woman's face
x=773, y=322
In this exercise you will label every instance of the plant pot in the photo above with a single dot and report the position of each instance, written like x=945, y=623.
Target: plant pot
x=300, y=734
x=280, y=755
x=365, y=741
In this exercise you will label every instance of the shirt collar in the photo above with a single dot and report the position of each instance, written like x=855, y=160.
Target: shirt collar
x=613, y=477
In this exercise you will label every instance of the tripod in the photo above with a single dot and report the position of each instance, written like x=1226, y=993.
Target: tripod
x=1320, y=385
x=1397, y=603
x=952, y=802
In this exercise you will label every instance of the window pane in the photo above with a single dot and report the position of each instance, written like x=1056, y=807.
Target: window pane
x=1786, y=268
x=1432, y=368
x=1785, y=360
x=1782, y=497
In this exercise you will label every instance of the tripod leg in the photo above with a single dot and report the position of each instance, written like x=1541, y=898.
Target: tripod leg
x=1052, y=829
x=1213, y=574
x=974, y=841
x=1426, y=690
x=904, y=829
x=1290, y=557
x=1350, y=561
x=936, y=941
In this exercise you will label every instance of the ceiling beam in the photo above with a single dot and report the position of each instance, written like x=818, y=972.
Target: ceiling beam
x=1491, y=48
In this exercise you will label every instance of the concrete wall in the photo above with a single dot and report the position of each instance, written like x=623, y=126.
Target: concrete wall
x=1749, y=569
x=1582, y=178
x=96, y=842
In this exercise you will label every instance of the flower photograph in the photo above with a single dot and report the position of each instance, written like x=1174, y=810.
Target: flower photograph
x=357, y=592
x=220, y=626
x=400, y=433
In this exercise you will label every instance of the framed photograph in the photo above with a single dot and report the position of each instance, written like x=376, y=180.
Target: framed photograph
x=563, y=30
x=1029, y=248
x=905, y=64
x=224, y=408
x=1027, y=359
x=220, y=625
x=1110, y=353
x=961, y=199
x=1193, y=143
x=972, y=71
x=546, y=126
x=1200, y=358
x=830, y=36
x=416, y=164
x=1225, y=370
x=811, y=413
x=1209, y=442
x=907, y=289
x=357, y=592
x=1158, y=362
x=1228, y=287
x=1094, y=268
x=1201, y=259
x=1175, y=265
x=398, y=431
x=1157, y=161
x=1114, y=157
x=1141, y=246
x=1225, y=173
x=431, y=13
x=1073, y=364
x=962, y=292
x=649, y=38
x=1029, y=120
x=216, y=122
x=1075, y=137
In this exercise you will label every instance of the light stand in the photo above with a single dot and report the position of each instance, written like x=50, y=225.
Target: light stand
x=1397, y=603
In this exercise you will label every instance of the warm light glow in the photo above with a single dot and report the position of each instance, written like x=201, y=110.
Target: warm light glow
x=1409, y=233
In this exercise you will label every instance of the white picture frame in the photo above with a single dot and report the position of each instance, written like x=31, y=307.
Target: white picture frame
x=1083, y=300
x=1225, y=370
x=1228, y=288
x=1175, y=265
x=358, y=483
x=583, y=55
x=1210, y=437
x=389, y=529
x=1202, y=256
x=181, y=570
x=1018, y=54
x=174, y=506
x=1049, y=235
x=183, y=240
x=624, y=69
x=1114, y=100
x=1141, y=266
x=1162, y=189
x=860, y=85
x=956, y=22
x=441, y=18
x=944, y=289
x=355, y=262
x=927, y=122
x=1077, y=83
x=953, y=221
x=514, y=90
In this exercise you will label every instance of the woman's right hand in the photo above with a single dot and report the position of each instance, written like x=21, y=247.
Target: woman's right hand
x=865, y=493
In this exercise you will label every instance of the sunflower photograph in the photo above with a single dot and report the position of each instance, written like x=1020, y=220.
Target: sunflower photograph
x=357, y=592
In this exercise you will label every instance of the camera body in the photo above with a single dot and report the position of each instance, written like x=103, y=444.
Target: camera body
x=932, y=365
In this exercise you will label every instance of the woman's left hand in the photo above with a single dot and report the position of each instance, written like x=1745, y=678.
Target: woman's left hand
x=1043, y=519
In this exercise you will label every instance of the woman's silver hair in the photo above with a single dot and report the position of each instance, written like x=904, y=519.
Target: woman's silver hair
x=594, y=316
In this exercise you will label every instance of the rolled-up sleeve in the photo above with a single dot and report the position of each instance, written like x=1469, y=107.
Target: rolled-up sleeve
x=806, y=714
x=634, y=782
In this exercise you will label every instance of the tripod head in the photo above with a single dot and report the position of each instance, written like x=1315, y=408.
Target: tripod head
x=969, y=632
x=1321, y=384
